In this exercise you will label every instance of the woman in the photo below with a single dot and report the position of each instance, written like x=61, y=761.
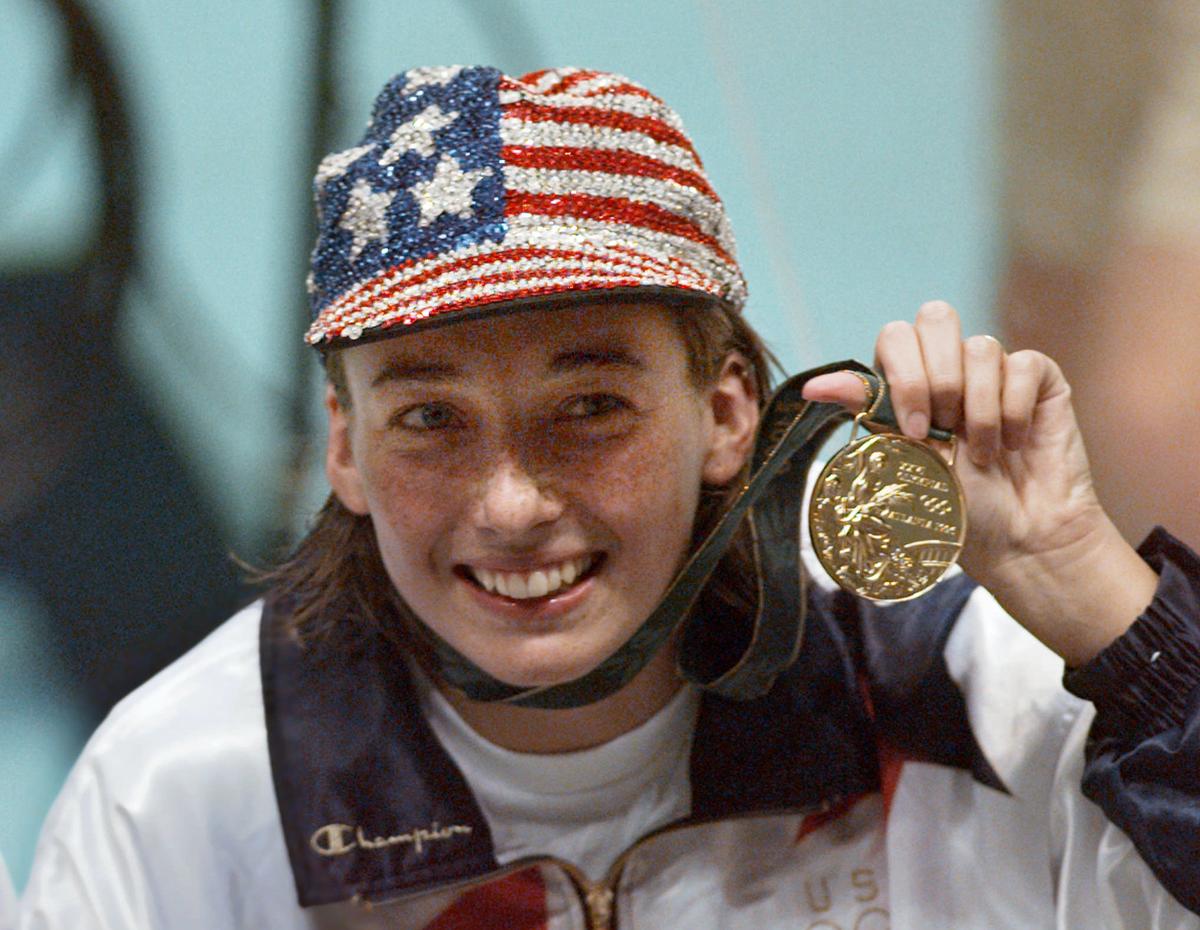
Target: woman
x=495, y=686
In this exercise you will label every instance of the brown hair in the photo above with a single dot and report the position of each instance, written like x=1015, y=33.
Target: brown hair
x=335, y=584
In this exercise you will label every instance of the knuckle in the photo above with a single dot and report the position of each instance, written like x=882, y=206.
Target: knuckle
x=948, y=406
x=985, y=426
x=945, y=386
x=1015, y=422
x=905, y=384
x=908, y=390
x=1024, y=361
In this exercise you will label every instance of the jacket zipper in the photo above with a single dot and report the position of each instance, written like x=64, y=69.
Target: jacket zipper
x=597, y=898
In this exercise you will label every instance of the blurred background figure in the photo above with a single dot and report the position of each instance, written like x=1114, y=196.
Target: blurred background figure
x=111, y=559
x=1101, y=202
x=100, y=521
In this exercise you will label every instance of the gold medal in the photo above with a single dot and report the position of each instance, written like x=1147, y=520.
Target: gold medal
x=887, y=517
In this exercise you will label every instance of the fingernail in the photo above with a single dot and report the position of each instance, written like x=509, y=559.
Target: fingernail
x=917, y=425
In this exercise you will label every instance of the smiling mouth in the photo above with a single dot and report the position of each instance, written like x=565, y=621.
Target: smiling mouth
x=544, y=582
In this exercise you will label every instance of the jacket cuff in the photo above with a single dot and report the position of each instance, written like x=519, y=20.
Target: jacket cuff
x=1141, y=683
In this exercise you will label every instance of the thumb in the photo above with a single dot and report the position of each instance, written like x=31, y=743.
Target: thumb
x=840, y=387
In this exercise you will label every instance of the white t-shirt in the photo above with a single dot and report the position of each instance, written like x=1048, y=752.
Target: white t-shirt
x=587, y=807
x=584, y=807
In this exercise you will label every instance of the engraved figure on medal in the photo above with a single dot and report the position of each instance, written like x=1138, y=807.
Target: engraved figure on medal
x=887, y=517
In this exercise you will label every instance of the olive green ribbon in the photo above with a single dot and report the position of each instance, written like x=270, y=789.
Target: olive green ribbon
x=738, y=664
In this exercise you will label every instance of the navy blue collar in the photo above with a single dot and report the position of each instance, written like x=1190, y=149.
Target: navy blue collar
x=372, y=806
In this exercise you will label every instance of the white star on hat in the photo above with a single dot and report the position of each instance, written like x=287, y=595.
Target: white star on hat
x=365, y=216
x=335, y=165
x=417, y=134
x=422, y=77
x=450, y=190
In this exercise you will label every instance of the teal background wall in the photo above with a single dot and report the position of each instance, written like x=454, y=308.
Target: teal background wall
x=851, y=142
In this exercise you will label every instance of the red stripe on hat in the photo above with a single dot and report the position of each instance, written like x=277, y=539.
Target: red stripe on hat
x=594, y=116
x=467, y=303
x=526, y=82
x=358, y=298
x=612, y=210
x=624, y=89
x=680, y=274
x=606, y=161
x=531, y=78
x=573, y=78
x=336, y=328
x=621, y=87
x=365, y=295
x=631, y=90
x=500, y=277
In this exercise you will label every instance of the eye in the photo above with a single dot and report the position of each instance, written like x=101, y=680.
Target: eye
x=592, y=405
x=427, y=417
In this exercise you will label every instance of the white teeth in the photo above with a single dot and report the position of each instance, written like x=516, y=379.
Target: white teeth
x=538, y=585
x=523, y=585
x=517, y=586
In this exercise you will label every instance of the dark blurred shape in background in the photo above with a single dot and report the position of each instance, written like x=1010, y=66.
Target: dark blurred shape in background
x=100, y=521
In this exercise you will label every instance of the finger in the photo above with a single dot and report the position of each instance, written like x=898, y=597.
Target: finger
x=939, y=331
x=839, y=387
x=1023, y=373
x=898, y=357
x=983, y=365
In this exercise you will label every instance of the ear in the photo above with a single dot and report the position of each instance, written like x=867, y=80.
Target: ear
x=340, y=467
x=733, y=402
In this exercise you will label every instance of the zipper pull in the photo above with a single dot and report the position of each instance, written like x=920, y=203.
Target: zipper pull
x=599, y=899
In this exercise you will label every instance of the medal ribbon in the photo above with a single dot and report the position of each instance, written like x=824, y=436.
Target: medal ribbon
x=790, y=432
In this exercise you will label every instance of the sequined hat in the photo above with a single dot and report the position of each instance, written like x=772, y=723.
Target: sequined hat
x=472, y=189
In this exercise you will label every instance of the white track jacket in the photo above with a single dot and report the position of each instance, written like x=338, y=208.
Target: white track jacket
x=920, y=766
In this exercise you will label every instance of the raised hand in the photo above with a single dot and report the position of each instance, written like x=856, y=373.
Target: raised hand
x=1037, y=536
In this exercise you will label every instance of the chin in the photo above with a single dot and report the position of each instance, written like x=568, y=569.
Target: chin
x=539, y=666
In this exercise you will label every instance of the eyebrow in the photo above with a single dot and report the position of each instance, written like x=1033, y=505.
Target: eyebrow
x=402, y=369
x=597, y=357
x=398, y=370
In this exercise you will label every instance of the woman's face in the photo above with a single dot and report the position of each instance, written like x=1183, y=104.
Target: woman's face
x=533, y=478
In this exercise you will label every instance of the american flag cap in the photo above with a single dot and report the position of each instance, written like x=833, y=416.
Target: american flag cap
x=473, y=190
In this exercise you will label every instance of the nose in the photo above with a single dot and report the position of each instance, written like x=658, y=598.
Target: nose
x=513, y=502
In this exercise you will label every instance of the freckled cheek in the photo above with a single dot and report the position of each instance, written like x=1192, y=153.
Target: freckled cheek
x=410, y=508
x=649, y=493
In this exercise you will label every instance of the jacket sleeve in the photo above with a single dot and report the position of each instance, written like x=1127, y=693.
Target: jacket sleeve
x=167, y=820
x=1138, y=758
x=120, y=853
x=1106, y=780
x=88, y=870
x=8, y=899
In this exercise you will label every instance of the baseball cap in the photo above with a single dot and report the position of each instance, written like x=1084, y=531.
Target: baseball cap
x=473, y=192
